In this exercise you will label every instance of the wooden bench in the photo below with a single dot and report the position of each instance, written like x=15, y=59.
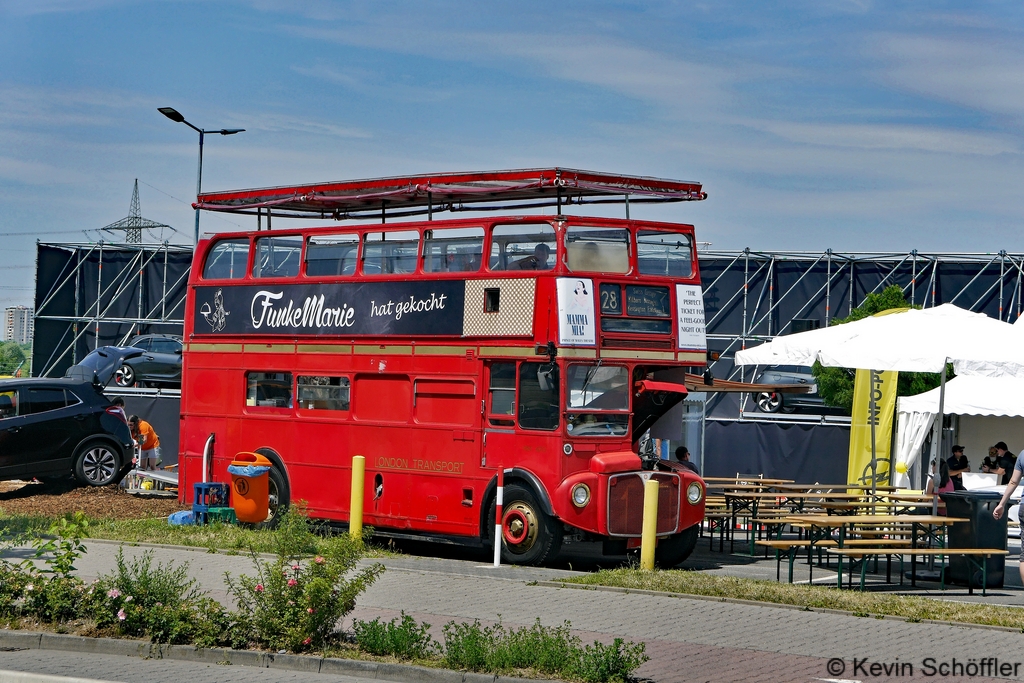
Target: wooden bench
x=791, y=547
x=971, y=554
x=717, y=521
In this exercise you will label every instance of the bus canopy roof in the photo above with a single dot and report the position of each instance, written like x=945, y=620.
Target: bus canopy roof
x=472, y=191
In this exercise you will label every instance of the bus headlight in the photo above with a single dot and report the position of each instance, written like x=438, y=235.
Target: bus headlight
x=694, y=493
x=580, y=495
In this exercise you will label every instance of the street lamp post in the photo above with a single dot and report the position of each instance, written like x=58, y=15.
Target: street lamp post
x=173, y=115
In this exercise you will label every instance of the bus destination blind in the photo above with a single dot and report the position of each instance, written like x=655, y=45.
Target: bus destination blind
x=366, y=308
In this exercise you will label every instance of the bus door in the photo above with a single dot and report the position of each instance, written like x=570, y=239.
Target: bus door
x=521, y=427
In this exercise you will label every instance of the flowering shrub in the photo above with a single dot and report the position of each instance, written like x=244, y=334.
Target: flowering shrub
x=294, y=604
x=160, y=602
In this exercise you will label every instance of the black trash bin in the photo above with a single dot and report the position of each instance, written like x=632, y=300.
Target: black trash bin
x=982, y=531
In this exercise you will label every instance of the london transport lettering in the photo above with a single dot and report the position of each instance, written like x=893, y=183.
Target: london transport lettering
x=448, y=466
x=363, y=308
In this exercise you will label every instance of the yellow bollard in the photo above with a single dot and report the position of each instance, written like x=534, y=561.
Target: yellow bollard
x=649, y=535
x=355, y=513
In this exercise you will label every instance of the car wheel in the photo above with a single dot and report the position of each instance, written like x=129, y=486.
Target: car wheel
x=768, y=401
x=97, y=464
x=125, y=376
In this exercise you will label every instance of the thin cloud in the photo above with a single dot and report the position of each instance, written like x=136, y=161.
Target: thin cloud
x=984, y=74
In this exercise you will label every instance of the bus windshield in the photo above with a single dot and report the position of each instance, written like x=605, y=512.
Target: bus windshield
x=598, y=400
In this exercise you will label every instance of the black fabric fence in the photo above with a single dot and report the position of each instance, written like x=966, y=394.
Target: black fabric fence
x=805, y=453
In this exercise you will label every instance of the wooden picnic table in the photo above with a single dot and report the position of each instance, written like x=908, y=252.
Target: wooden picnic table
x=747, y=478
x=833, y=487
x=819, y=528
x=749, y=498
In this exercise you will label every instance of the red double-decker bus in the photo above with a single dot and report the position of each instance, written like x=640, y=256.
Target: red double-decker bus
x=445, y=350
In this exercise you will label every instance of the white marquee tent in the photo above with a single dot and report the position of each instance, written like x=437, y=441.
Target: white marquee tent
x=970, y=397
x=909, y=341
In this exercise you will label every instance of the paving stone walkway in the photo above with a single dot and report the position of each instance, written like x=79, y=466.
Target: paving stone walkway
x=687, y=639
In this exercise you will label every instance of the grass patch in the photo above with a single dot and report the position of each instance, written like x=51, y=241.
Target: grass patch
x=862, y=604
x=212, y=537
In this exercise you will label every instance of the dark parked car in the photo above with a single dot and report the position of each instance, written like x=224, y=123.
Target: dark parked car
x=50, y=428
x=778, y=401
x=158, y=362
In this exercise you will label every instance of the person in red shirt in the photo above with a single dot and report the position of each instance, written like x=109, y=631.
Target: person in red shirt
x=149, y=442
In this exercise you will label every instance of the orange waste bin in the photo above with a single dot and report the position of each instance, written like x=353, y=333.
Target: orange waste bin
x=250, y=487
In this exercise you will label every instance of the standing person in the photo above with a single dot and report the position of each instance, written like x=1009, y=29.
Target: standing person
x=1005, y=462
x=683, y=456
x=958, y=464
x=1011, y=486
x=118, y=403
x=149, y=442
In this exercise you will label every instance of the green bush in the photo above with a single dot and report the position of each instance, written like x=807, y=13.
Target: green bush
x=616, y=662
x=404, y=639
x=553, y=651
x=295, y=604
x=161, y=603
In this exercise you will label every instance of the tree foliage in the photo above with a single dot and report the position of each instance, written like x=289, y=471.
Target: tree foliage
x=835, y=385
x=11, y=357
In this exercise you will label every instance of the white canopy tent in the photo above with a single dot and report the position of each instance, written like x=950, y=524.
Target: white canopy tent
x=965, y=396
x=907, y=340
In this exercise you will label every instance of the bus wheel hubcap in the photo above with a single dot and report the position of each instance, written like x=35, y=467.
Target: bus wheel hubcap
x=519, y=527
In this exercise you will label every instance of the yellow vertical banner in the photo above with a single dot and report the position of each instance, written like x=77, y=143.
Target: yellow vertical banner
x=883, y=386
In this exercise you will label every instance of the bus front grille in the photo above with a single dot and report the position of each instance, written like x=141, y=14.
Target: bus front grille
x=626, y=503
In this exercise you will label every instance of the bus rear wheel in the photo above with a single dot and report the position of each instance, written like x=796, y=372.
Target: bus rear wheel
x=672, y=551
x=280, y=497
x=528, y=534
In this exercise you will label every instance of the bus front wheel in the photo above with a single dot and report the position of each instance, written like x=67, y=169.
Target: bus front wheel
x=673, y=550
x=528, y=534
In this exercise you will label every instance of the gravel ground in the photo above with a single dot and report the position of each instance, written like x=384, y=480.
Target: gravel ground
x=54, y=499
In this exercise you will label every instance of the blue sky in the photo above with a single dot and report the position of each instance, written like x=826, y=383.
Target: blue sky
x=851, y=125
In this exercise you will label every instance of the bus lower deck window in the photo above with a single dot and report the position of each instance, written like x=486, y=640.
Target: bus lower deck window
x=538, y=396
x=502, y=394
x=269, y=389
x=317, y=392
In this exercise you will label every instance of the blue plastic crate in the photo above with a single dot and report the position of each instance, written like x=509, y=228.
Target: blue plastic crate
x=210, y=494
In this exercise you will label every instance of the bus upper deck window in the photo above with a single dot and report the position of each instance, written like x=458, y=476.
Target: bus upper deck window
x=597, y=250
x=453, y=250
x=386, y=253
x=227, y=260
x=664, y=253
x=529, y=246
x=277, y=256
x=331, y=254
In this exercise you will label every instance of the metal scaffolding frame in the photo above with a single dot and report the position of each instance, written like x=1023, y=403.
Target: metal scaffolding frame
x=753, y=296
x=90, y=295
x=750, y=296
